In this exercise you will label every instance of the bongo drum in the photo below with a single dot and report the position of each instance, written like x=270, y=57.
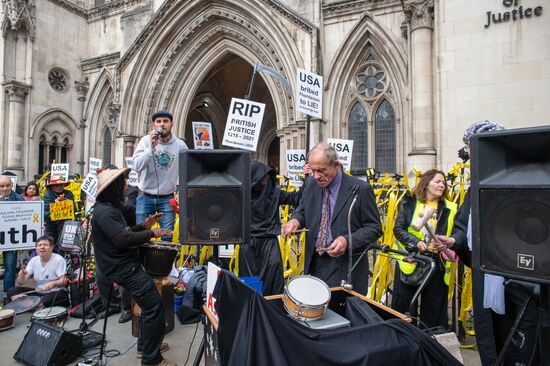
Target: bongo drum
x=306, y=298
x=7, y=316
x=23, y=304
x=55, y=315
x=158, y=257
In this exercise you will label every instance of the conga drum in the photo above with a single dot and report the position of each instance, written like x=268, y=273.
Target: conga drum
x=7, y=317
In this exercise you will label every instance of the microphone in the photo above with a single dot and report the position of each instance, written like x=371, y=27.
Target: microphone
x=160, y=132
x=355, y=190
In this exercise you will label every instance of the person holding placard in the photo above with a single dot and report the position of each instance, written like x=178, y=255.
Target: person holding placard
x=10, y=258
x=156, y=159
x=56, y=193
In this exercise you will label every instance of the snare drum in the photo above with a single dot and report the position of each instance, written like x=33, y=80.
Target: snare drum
x=7, y=316
x=55, y=315
x=306, y=298
x=158, y=257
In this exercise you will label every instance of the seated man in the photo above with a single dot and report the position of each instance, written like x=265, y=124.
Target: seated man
x=48, y=270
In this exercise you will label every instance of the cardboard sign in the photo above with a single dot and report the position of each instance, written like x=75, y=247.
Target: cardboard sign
x=244, y=123
x=75, y=189
x=21, y=224
x=344, y=149
x=62, y=210
x=70, y=236
x=94, y=164
x=202, y=136
x=89, y=184
x=295, y=161
x=309, y=93
x=133, y=178
x=211, y=279
x=59, y=172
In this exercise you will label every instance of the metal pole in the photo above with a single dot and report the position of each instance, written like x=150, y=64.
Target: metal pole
x=308, y=130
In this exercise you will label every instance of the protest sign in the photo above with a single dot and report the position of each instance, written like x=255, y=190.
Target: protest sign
x=20, y=224
x=202, y=136
x=309, y=93
x=344, y=149
x=89, y=184
x=59, y=172
x=133, y=178
x=295, y=161
x=244, y=122
x=211, y=279
x=62, y=210
x=94, y=164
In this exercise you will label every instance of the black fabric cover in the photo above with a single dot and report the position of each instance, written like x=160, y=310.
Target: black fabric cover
x=254, y=331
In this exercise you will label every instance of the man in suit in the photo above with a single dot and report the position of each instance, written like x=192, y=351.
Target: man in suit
x=323, y=209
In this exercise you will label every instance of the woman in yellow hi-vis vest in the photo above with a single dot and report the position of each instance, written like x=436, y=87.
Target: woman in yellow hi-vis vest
x=431, y=190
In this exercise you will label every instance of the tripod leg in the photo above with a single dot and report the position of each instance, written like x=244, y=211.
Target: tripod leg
x=200, y=352
x=105, y=323
x=504, y=351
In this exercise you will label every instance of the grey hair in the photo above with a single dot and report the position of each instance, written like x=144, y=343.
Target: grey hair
x=480, y=127
x=331, y=156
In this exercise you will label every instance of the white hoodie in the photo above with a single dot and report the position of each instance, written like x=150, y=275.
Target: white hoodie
x=165, y=162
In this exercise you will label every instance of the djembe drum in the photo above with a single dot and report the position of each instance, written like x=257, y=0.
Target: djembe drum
x=157, y=259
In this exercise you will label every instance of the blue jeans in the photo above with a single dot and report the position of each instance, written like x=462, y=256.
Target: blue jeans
x=148, y=205
x=10, y=269
x=142, y=288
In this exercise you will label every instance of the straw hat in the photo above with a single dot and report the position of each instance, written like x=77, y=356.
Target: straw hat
x=108, y=176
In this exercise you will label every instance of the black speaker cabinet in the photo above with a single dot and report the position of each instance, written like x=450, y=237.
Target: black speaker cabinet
x=48, y=345
x=511, y=203
x=214, y=197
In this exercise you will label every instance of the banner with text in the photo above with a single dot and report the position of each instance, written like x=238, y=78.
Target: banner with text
x=202, y=136
x=211, y=279
x=62, y=210
x=89, y=184
x=20, y=224
x=94, y=164
x=133, y=177
x=344, y=149
x=244, y=123
x=59, y=172
x=295, y=161
x=309, y=93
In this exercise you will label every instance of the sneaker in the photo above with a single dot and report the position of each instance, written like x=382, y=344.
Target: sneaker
x=125, y=316
x=163, y=348
x=164, y=363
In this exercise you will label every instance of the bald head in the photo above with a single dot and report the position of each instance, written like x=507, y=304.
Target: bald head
x=5, y=185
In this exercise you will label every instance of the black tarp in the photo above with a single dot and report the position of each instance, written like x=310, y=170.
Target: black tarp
x=254, y=331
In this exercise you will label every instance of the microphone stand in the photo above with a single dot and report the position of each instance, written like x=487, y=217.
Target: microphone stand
x=347, y=284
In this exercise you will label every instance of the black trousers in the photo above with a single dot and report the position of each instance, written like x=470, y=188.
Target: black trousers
x=433, y=299
x=142, y=288
x=104, y=285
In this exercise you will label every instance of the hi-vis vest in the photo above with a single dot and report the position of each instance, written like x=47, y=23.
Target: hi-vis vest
x=408, y=268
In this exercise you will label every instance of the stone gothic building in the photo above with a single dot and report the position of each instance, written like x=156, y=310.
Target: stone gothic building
x=402, y=78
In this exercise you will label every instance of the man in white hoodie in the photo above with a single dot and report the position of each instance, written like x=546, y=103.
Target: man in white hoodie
x=156, y=159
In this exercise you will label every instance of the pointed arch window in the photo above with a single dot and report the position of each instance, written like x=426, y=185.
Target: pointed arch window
x=358, y=132
x=107, y=147
x=385, y=149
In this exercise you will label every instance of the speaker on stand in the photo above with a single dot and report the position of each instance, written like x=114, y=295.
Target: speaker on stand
x=511, y=210
x=214, y=195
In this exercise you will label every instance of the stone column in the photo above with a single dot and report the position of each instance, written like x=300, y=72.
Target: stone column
x=82, y=89
x=420, y=15
x=129, y=146
x=17, y=93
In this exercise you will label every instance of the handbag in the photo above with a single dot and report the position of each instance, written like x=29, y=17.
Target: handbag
x=420, y=272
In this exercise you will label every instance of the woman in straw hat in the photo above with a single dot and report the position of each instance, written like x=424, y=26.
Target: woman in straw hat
x=116, y=248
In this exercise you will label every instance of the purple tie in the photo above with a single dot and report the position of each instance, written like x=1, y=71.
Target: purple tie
x=322, y=238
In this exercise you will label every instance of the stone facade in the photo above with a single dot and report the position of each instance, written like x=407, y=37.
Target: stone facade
x=404, y=78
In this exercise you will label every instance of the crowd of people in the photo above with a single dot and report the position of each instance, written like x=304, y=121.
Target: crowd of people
x=322, y=205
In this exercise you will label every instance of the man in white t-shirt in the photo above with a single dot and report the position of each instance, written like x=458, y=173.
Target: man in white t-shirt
x=48, y=270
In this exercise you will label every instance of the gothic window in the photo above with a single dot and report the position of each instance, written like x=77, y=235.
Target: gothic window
x=55, y=144
x=371, y=82
x=58, y=79
x=107, y=144
x=385, y=154
x=358, y=132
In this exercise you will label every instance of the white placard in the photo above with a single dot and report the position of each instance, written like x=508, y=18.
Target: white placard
x=94, y=164
x=309, y=93
x=89, y=184
x=244, y=122
x=295, y=161
x=226, y=251
x=13, y=181
x=211, y=279
x=133, y=177
x=60, y=172
x=90, y=202
x=20, y=224
x=344, y=149
x=202, y=136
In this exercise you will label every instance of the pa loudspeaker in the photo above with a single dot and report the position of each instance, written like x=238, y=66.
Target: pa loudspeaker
x=214, y=197
x=48, y=345
x=511, y=203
